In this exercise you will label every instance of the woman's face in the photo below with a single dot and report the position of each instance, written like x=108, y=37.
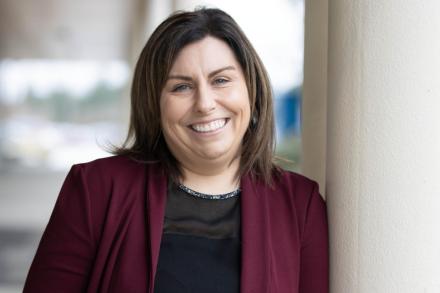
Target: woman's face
x=204, y=105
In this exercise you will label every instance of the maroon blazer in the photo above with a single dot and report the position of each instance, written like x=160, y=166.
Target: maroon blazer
x=105, y=230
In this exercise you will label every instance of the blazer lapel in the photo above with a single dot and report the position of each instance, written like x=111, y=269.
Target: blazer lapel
x=255, y=234
x=156, y=202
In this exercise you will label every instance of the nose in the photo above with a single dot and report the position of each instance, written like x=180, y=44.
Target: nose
x=205, y=100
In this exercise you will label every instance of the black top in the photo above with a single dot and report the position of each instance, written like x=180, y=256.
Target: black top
x=200, y=248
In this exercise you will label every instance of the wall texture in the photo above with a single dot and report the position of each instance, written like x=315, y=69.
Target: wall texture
x=383, y=152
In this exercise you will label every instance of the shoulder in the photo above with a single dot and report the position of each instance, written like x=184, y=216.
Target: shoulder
x=300, y=196
x=284, y=184
x=111, y=175
x=110, y=165
x=295, y=183
x=299, y=191
x=115, y=183
x=114, y=167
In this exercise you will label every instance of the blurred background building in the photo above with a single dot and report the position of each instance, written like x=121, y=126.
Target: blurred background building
x=65, y=71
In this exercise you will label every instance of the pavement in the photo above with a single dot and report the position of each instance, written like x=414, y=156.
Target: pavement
x=26, y=201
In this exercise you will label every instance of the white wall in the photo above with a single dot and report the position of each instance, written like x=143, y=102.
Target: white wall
x=383, y=153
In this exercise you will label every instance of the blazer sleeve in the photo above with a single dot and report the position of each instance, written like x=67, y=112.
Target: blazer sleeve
x=314, y=272
x=66, y=251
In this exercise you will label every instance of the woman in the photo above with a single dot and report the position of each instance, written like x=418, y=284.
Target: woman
x=193, y=201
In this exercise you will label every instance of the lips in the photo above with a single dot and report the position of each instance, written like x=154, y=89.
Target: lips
x=209, y=126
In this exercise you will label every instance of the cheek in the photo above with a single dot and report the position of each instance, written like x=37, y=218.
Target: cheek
x=246, y=111
x=170, y=111
x=238, y=98
x=167, y=117
x=243, y=103
x=174, y=111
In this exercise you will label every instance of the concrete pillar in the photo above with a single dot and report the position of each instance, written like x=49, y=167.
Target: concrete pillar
x=383, y=152
x=147, y=15
x=314, y=101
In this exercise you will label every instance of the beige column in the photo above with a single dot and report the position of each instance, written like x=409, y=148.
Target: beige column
x=314, y=102
x=146, y=16
x=383, y=146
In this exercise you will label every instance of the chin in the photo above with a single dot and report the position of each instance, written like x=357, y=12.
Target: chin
x=217, y=154
x=214, y=155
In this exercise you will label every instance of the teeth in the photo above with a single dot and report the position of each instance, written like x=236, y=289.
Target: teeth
x=211, y=126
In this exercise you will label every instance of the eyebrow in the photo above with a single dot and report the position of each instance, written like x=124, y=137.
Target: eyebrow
x=188, y=78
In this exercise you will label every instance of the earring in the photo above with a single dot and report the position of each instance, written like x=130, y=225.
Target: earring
x=254, y=120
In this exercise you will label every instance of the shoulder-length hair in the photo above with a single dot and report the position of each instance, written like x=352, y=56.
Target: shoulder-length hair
x=145, y=140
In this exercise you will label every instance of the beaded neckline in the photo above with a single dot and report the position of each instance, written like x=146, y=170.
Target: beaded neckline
x=208, y=196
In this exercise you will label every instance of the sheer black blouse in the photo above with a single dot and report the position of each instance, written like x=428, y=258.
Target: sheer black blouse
x=200, y=248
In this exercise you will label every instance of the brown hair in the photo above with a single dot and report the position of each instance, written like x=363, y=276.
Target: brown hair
x=145, y=140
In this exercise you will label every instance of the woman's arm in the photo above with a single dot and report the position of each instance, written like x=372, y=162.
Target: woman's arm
x=314, y=249
x=65, y=255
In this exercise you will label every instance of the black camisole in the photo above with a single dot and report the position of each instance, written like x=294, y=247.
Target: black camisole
x=200, y=247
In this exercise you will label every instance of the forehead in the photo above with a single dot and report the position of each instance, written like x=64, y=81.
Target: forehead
x=210, y=53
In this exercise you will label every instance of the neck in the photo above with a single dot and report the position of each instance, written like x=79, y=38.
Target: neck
x=213, y=180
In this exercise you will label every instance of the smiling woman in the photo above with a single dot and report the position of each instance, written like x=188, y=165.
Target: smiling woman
x=205, y=113
x=161, y=71
x=193, y=201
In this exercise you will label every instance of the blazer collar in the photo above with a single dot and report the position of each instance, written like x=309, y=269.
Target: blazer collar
x=255, y=233
x=156, y=201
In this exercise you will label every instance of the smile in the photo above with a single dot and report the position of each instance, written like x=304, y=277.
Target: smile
x=210, y=126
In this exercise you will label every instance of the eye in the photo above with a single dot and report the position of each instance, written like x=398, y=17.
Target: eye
x=220, y=81
x=181, y=87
